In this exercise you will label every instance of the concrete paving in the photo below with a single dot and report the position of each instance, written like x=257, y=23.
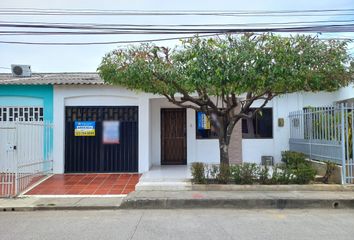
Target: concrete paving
x=60, y=203
x=188, y=199
x=179, y=224
x=239, y=199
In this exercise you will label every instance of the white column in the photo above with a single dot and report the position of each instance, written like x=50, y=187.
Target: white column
x=144, y=133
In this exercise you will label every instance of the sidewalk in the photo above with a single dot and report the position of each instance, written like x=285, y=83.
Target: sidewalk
x=239, y=199
x=189, y=199
x=60, y=203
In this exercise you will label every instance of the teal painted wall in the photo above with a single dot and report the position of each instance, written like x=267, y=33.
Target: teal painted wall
x=28, y=95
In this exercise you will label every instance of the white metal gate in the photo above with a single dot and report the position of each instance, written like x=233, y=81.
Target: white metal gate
x=325, y=133
x=25, y=155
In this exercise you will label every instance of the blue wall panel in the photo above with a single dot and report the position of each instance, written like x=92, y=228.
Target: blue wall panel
x=27, y=95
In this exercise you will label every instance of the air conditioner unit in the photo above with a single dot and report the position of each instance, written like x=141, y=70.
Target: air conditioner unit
x=21, y=70
x=267, y=160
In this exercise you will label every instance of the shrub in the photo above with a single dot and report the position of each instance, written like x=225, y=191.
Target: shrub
x=214, y=171
x=263, y=175
x=198, y=173
x=236, y=173
x=224, y=174
x=303, y=173
x=281, y=174
x=296, y=170
x=292, y=158
x=247, y=173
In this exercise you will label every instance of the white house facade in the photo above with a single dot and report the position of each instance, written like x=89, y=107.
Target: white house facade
x=103, y=128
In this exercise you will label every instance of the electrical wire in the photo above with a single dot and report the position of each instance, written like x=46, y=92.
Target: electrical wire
x=242, y=11
x=105, y=42
x=114, y=26
x=319, y=28
x=134, y=41
x=90, y=12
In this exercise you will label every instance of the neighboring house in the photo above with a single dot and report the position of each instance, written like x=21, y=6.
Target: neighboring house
x=104, y=128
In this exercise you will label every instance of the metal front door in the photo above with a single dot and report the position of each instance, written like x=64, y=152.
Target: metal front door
x=173, y=137
x=95, y=153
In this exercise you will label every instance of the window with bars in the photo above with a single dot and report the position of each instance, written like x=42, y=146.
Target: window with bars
x=10, y=114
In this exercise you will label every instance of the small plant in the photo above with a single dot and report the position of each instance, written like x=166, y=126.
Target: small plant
x=235, y=171
x=214, y=171
x=303, y=174
x=296, y=170
x=330, y=168
x=293, y=159
x=281, y=174
x=198, y=173
x=223, y=177
x=263, y=175
x=247, y=173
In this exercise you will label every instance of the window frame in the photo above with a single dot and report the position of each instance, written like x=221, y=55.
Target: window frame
x=255, y=135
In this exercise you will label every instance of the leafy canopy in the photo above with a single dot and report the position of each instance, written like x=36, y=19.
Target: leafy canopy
x=256, y=64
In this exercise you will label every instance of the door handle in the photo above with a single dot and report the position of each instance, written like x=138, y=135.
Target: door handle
x=10, y=147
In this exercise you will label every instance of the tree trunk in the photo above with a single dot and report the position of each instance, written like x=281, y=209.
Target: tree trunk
x=225, y=128
x=224, y=139
x=224, y=151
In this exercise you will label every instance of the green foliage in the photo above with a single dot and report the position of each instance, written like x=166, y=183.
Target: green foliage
x=295, y=171
x=198, y=173
x=224, y=174
x=292, y=158
x=232, y=65
x=303, y=173
x=246, y=173
x=236, y=173
x=260, y=67
x=281, y=175
x=263, y=175
x=296, y=168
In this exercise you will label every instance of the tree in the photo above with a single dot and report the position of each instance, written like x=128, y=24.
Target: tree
x=224, y=76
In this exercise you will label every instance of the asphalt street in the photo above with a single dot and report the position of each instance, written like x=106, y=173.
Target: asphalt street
x=179, y=224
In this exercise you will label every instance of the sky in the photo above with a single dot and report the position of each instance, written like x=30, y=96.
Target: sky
x=87, y=58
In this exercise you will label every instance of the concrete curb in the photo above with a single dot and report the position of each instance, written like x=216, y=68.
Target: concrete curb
x=274, y=188
x=238, y=203
x=58, y=208
x=59, y=203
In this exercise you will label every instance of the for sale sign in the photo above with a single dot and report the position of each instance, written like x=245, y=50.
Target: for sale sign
x=85, y=128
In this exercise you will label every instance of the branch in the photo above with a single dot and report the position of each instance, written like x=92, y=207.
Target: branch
x=173, y=100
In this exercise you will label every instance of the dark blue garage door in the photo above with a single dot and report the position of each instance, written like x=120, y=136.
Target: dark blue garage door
x=101, y=139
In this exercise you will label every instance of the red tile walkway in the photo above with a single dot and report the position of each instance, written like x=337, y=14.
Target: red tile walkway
x=87, y=184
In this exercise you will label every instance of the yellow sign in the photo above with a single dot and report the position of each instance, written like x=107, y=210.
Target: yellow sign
x=85, y=133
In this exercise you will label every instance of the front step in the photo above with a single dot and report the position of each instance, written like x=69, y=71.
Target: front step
x=163, y=186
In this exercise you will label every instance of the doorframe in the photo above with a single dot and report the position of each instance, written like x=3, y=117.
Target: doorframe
x=161, y=136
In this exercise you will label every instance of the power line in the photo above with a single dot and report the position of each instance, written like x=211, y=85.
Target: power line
x=331, y=28
x=114, y=26
x=86, y=12
x=174, y=10
x=179, y=10
x=133, y=41
x=104, y=43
